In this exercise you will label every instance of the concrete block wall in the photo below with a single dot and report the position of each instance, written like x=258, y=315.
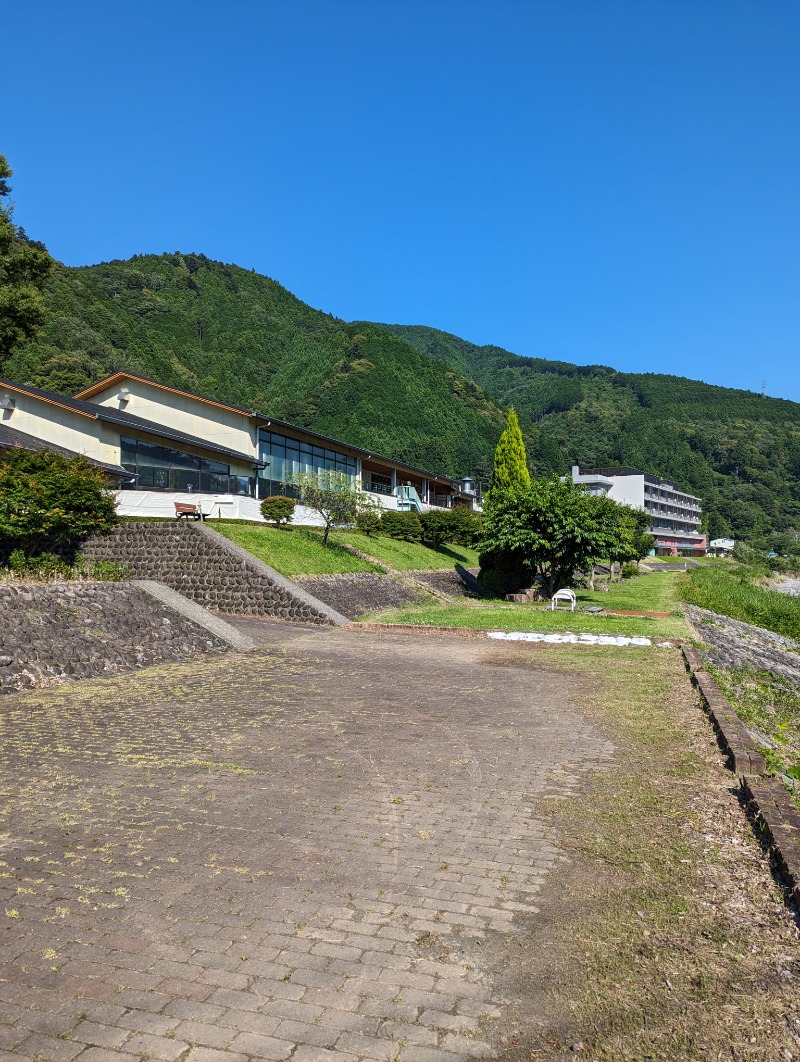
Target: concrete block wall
x=208, y=569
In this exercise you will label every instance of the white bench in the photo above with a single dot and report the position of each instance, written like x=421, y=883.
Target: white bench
x=568, y=596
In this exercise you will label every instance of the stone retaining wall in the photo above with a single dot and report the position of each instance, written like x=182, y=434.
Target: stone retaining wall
x=456, y=582
x=357, y=592
x=208, y=569
x=59, y=632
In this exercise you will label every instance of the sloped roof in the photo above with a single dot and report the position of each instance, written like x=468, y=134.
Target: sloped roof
x=262, y=418
x=122, y=419
x=10, y=438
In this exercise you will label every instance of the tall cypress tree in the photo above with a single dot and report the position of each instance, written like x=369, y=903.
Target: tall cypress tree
x=510, y=469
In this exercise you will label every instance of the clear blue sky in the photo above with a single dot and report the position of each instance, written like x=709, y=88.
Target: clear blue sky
x=598, y=181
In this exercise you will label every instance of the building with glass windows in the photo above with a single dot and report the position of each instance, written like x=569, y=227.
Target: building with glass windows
x=675, y=516
x=162, y=445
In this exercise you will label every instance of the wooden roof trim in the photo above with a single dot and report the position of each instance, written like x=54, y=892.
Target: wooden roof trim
x=50, y=401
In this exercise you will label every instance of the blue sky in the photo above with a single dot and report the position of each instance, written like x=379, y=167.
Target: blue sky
x=613, y=181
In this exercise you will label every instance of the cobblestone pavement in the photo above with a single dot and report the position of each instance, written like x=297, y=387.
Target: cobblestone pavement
x=295, y=852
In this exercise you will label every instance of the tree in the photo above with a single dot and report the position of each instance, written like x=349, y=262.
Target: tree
x=544, y=533
x=24, y=265
x=50, y=502
x=510, y=468
x=278, y=509
x=333, y=496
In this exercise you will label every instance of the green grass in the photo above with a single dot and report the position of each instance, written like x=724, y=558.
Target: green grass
x=292, y=551
x=299, y=550
x=770, y=706
x=409, y=556
x=650, y=593
x=656, y=592
x=732, y=592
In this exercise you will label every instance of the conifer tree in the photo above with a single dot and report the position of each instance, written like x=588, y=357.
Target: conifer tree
x=510, y=469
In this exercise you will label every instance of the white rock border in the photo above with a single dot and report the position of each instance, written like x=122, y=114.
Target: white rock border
x=574, y=639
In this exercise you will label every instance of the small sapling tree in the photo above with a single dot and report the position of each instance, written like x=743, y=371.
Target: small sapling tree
x=332, y=496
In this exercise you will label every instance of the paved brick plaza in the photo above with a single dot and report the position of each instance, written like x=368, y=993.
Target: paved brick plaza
x=297, y=852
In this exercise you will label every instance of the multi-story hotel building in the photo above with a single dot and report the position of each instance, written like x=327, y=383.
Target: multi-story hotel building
x=674, y=515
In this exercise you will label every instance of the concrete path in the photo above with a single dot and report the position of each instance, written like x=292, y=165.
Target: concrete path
x=298, y=852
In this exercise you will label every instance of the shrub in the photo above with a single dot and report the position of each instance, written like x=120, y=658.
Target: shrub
x=437, y=527
x=368, y=522
x=629, y=571
x=50, y=502
x=278, y=509
x=466, y=526
x=46, y=566
x=405, y=526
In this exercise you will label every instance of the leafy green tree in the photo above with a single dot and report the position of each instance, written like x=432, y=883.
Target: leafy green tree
x=510, y=468
x=49, y=503
x=278, y=509
x=333, y=497
x=544, y=533
x=23, y=267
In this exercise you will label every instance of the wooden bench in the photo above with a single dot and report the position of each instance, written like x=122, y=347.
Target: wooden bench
x=189, y=510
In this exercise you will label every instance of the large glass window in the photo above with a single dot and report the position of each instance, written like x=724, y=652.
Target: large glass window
x=161, y=468
x=286, y=458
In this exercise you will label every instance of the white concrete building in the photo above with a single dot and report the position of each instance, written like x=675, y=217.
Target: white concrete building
x=674, y=515
x=162, y=445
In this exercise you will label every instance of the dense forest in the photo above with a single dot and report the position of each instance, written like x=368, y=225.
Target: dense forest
x=738, y=450
x=238, y=336
x=410, y=392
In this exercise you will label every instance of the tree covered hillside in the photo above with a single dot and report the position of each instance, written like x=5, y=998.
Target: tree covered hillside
x=232, y=334
x=738, y=450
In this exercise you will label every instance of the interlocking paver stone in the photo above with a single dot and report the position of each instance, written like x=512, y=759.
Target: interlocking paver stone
x=283, y=853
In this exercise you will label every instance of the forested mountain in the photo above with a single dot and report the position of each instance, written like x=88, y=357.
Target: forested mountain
x=232, y=334
x=738, y=450
x=413, y=393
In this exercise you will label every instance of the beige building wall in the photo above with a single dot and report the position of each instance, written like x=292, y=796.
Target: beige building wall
x=63, y=427
x=216, y=424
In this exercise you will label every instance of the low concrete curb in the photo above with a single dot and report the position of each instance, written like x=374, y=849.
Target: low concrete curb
x=767, y=800
x=196, y=613
x=297, y=592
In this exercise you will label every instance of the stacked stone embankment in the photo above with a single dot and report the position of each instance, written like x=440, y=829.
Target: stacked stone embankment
x=61, y=632
x=208, y=569
x=354, y=593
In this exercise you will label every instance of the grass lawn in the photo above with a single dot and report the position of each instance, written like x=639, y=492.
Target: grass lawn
x=409, y=556
x=292, y=551
x=649, y=593
x=299, y=550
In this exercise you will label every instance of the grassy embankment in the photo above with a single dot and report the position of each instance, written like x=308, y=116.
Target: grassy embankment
x=299, y=550
x=768, y=703
x=668, y=939
x=648, y=593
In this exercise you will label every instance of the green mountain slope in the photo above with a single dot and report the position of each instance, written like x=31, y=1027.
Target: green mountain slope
x=414, y=393
x=235, y=335
x=738, y=450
